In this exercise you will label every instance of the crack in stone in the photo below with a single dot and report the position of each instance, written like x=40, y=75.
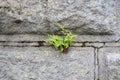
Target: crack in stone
x=42, y=43
x=96, y=64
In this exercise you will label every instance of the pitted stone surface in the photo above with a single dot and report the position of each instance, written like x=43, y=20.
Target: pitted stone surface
x=38, y=16
x=22, y=16
x=109, y=63
x=113, y=62
x=84, y=16
x=25, y=56
x=44, y=63
x=79, y=38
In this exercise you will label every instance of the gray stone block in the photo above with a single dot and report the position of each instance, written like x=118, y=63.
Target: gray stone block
x=113, y=62
x=39, y=16
x=84, y=16
x=19, y=44
x=79, y=38
x=94, y=45
x=112, y=44
x=109, y=64
x=25, y=16
x=45, y=63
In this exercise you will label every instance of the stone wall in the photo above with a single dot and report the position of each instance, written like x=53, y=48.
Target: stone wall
x=39, y=16
x=27, y=57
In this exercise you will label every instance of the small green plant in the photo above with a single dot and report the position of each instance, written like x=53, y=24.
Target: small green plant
x=62, y=43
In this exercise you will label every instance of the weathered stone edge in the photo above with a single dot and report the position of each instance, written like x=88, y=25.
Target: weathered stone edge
x=79, y=38
x=33, y=40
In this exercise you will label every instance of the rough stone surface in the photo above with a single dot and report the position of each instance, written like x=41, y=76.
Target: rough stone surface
x=44, y=63
x=113, y=62
x=38, y=16
x=90, y=57
x=118, y=16
x=84, y=16
x=112, y=44
x=94, y=44
x=79, y=38
x=22, y=16
x=109, y=64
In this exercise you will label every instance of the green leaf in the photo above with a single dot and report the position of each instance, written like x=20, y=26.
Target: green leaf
x=61, y=42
